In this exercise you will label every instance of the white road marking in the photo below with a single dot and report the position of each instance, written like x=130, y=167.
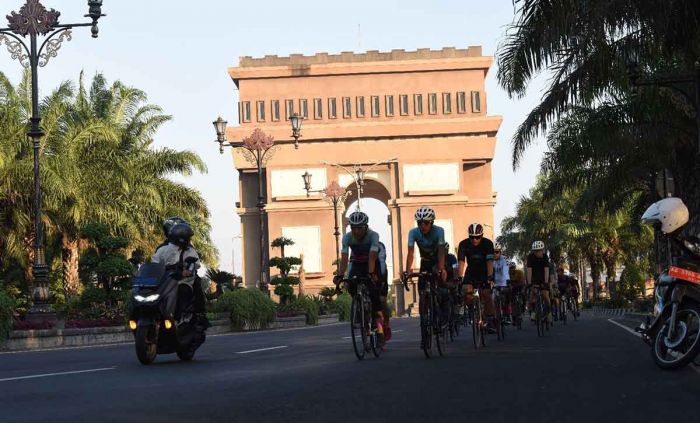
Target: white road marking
x=262, y=349
x=56, y=374
x=638, y=335
x=695, y=368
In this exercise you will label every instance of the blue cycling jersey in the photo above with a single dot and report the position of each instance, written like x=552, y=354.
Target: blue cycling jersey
x=427, y=243
x=360, y=247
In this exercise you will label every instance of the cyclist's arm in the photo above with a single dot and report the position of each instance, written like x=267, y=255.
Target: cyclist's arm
x=409, y=259
x=342, y=265
x=441, y=258
x=529, y=276
x=489, y=269
x=372, y=265
x=462, y=260
x=546, y=273
x=462, y=268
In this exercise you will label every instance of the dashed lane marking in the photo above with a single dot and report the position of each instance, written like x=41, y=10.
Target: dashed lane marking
x=8, y=379
x=262, y=349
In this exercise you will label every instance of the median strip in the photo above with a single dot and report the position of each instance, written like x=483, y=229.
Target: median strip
x=56, y=374
x=262, y=349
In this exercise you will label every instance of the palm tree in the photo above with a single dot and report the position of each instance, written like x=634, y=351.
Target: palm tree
x=98, y=167
x=585, y=47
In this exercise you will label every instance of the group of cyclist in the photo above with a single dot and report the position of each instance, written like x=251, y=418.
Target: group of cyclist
x=479, y=265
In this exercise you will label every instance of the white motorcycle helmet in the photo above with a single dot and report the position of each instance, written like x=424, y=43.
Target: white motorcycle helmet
x=670, y=213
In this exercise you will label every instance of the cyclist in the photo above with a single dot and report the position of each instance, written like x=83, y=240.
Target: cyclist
x=538, y=275
x=364, y=245
x=517, y=283
x=475, y=256
x=555, y=294
x=502, y=279
x=430, y=239
x=567, y=285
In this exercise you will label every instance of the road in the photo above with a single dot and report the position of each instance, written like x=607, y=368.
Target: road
x=588, y=371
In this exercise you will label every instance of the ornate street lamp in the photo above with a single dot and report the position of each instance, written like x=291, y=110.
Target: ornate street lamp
x=296, y=121
x=335, y=195
x=671, y=83
x=34, y=20
x=258, y=149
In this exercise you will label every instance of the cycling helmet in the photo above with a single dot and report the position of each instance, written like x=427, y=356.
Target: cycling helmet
x=498, y=247
x=358, y=218
x=181, y=234
x=512, y=264
x=170, y=222
x=537, y=245
x=670, y=213
x=425, y=213
x=476, y=230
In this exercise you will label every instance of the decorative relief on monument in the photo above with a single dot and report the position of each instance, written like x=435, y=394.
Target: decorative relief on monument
x=288, y=182
x=307, y=241
x=431, y=177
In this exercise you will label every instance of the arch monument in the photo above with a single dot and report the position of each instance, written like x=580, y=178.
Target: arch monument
x=416, y=122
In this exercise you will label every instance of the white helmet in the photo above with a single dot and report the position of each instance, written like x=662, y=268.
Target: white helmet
x=425, y=213
x=537, y=245
x=671, y=213
x=358, y=218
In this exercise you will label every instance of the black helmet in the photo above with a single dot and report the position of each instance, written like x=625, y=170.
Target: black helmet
x=181, y=234
x=170, y=222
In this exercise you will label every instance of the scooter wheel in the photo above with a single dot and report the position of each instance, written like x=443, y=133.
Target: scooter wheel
x=185, y=355
x=145, y=349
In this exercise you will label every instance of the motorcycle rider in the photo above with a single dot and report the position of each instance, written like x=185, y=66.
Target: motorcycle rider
x=174, y=255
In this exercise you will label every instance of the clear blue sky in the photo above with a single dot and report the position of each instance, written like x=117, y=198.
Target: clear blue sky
x=178, y=52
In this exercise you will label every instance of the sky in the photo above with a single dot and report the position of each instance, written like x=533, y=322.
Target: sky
x=178, y=52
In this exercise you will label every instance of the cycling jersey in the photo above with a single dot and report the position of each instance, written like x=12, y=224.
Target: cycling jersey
x=477, y=257
x=361, y=247
x=501, y=272
x=537, y=264
x=428, y=244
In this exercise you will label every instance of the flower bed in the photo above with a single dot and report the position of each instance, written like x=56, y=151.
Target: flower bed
x=93, y=323
x=28, y=325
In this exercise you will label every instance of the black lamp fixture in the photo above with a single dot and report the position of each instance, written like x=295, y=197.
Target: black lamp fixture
x=296, y=121
x=220, y=127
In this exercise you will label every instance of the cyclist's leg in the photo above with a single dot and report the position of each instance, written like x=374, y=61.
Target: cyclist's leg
x=547, y=302
x=532, y=301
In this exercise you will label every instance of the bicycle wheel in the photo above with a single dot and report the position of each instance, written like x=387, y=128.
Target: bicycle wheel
x=440, y=330
x=563, y=312
x=574, y=309
x=475, y=318
x=426, y=325
x=499, y=318
x=539, y=317
x=358, y=328
x=373, y=335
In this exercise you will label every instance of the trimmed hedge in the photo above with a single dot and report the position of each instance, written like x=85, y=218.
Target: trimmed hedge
x=7, y=307
x=247, y=308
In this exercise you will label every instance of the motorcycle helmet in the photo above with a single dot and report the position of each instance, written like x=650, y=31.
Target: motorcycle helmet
x=181, y=234
x=670, y=213
x=170, y=222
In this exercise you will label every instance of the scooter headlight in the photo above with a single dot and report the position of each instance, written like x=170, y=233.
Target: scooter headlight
x=150, y=298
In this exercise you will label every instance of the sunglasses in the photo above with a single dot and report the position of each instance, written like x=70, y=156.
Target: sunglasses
x=474, y=238
x=424, y=222
x=497, y=251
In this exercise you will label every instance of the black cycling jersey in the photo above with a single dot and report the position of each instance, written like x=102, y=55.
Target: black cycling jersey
x=476, y=258
x=538, y=264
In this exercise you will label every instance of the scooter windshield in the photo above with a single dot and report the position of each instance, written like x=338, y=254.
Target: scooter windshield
x=150, y=274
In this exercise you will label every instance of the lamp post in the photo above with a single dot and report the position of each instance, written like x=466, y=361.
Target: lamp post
x=335, y=195
x=257, y=149
x=670, y=82
x=358, y=175
x=35, y=20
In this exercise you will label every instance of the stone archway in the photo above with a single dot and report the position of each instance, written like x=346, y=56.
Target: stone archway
x=426, y=109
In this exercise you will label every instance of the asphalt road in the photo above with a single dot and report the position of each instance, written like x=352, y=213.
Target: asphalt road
x=588, y=371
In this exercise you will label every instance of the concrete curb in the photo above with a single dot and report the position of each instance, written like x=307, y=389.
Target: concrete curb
x=28, y=340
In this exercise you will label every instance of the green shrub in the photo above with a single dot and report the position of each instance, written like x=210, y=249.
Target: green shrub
x=7, y=307
x=342, y=306
x=248, y=308
x=311, y=309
